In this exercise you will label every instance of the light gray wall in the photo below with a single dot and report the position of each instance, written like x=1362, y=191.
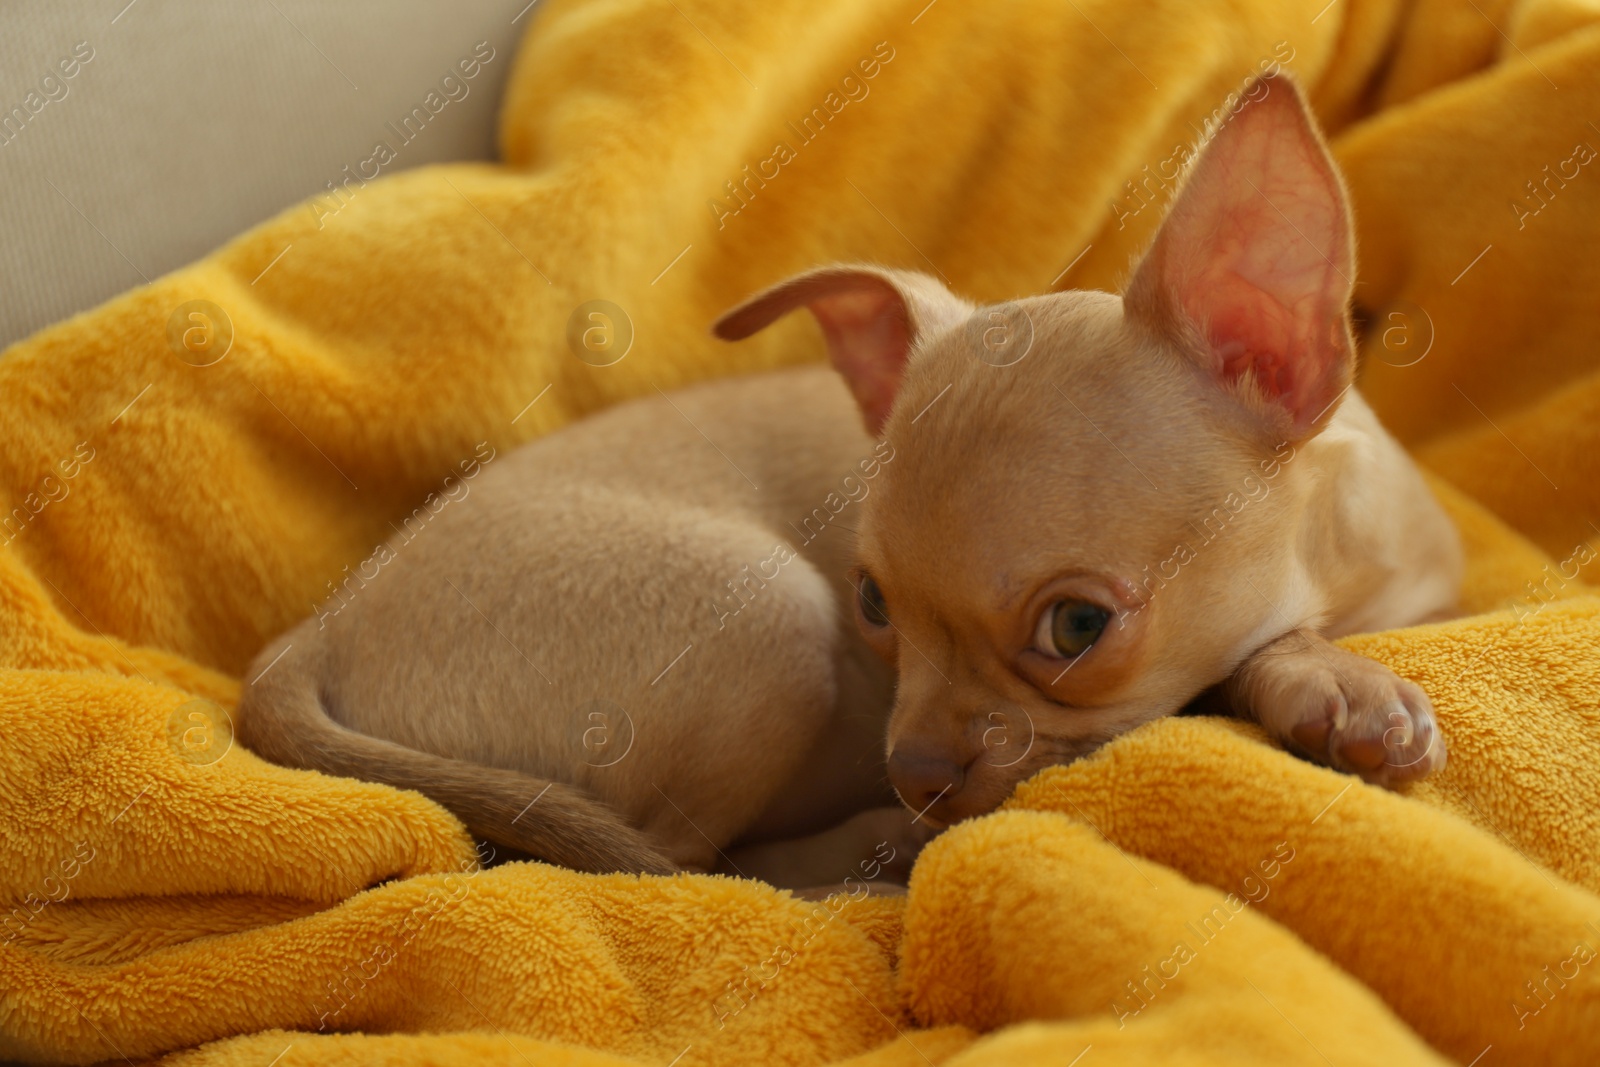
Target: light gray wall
x=195, y=120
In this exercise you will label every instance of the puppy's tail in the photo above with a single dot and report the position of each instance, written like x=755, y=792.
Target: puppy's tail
x=281, y=718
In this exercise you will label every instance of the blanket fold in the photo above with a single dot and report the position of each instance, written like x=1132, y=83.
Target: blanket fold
x=191, y=468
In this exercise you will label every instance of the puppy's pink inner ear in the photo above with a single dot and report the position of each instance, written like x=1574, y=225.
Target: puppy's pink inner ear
x=869, y=337
x=871, y=316
x=1270, y=304
x=1256, y=253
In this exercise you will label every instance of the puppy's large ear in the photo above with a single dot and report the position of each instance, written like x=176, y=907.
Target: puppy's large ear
x=1251, y=270
x=871, y=318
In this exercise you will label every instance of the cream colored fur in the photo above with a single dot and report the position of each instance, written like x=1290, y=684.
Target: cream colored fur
x=639, y=643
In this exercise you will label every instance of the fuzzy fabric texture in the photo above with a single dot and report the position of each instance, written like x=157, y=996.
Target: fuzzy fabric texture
x=188, y=479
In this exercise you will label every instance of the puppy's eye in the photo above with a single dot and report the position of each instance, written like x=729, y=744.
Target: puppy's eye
x=870, y=602
x=1068, y=627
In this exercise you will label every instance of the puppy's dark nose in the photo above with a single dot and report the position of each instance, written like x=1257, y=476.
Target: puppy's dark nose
x=922, y=778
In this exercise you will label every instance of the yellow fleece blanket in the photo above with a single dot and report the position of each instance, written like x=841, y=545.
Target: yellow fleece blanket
x=188, y=469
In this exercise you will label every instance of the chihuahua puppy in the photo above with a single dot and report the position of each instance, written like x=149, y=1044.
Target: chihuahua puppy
x=632, y=648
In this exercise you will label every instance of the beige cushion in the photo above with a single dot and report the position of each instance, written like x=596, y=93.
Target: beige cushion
x=189, y=122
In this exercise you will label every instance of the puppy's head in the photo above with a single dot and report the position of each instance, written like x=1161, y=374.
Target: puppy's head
x=1085, y=518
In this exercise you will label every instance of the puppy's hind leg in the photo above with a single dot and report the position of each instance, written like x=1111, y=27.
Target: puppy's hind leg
x=742, y=692
x=874, y=848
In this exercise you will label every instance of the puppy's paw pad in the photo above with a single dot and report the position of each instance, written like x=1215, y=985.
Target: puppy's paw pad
x=1410, y=745
x=1367, y=721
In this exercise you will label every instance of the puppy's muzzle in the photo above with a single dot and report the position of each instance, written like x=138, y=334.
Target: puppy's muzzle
x=923, y=778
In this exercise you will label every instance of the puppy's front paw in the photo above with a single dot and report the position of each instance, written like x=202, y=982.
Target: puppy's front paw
x=1367, y=721
x=888, y=841
x=1342, y=710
